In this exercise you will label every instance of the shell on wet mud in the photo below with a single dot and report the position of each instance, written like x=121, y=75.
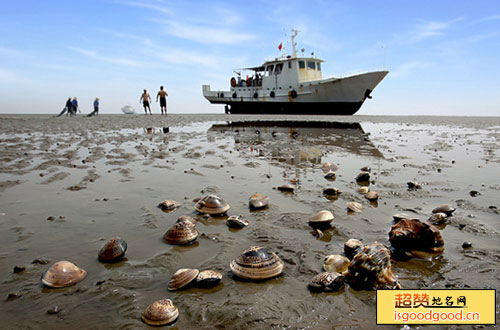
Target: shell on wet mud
x=400, y=216
x=372, y=196
x=258, y=201
x=182, y=278
x=330, y=175
x=212, y=204
x=354, y=206
x=180, y=233
x=208, y=278
x=363, y=190
x=329, y=167
x=113, y=250
x=257, y=263
x=287, y=187
x=169, y=205
x=236, y=221
x=448, y=210
x=336, y=263
x=321, y=219
x=413, y=185
x=416, y=238
x=366, y=169
x=332, y=191
x=161, y=312
x=187, y=218
x=352, y=247
x=63, y=274
x=363, y=177
x=438, y=218
x=327, y=281
x=371, y=269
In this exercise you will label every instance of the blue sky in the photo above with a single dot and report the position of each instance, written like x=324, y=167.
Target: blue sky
x=443, y=56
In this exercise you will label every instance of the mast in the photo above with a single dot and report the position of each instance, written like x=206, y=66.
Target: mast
x=293, y=35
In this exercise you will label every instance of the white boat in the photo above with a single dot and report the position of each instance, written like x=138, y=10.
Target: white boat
x=128, y=110
x=294, y=85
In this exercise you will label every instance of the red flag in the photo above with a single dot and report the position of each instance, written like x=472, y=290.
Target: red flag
x=280, y=46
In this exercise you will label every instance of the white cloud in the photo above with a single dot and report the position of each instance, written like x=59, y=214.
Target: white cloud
x=157, y=8
x=487, y=19
x=406, y=69
x=109, y=59
x=431, y=29
x=207, y=34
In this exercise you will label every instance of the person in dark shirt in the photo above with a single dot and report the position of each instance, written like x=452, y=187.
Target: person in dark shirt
x=67, y=108
x=96, y=108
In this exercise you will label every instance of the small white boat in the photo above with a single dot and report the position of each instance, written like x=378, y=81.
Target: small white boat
x=294, y=85
x=128, y=110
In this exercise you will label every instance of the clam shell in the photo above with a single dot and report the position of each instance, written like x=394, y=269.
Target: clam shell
x=161, y=312
x=438, y=218
x=336, y=263
x=258, y=201
x=113, y=250
x=169, y=205
x=327, y=281
x=332, y=191
x=413, y=185
x=444, y=209
x=208, y=278
x=363, y=177
x=371, y=196
x=330, y=175
x=287, y=187
x=236, y=221
x=63, y=274
x=321, y=219
x=371, y=269
x=182, y=277
x=363, y=190
x=352, y=247
x=366, y=169
x=416, y=238
x=354, y=206
x=212, y=204
x=183, y=232
x=328, y=166
x=187, y=218
x=257, y=263
x=401, y=216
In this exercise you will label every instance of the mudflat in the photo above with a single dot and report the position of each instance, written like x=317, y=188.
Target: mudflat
x=69, y=184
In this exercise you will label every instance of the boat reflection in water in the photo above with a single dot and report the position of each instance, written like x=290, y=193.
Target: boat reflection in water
x=295, y=142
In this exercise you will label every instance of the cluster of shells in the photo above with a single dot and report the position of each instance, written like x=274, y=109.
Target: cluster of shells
x=362, y=267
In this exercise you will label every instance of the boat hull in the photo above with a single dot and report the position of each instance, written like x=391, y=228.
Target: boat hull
x=334, y=96
x=294, y=108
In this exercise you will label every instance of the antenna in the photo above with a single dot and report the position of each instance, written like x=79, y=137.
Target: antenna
x=293, y=35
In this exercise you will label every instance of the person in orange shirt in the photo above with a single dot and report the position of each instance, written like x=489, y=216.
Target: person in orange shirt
x=163, y=100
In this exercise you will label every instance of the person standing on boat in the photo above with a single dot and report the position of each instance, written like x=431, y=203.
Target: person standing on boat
x=163, y=100
x=67, y=108
x=146, y=99
x=96, y=108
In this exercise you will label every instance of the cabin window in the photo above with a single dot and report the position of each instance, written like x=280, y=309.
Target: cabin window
x=311, y=65
x=302, y=65
x=279, y=68
x=289, y=65
x=318, y=65
x=269, y=69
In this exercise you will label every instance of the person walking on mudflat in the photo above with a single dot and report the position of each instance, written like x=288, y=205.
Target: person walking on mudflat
x=96, y=108
x=67, y=108
x=163, y=100
x=146, y=99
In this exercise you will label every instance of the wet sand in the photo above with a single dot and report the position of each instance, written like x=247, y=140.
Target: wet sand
x=67, y=185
